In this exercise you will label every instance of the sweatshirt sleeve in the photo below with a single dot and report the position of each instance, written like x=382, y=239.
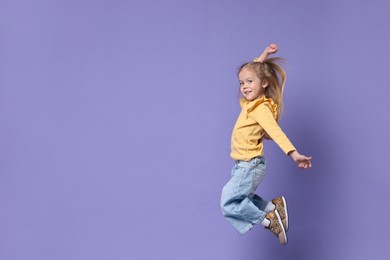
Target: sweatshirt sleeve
x=264, y=116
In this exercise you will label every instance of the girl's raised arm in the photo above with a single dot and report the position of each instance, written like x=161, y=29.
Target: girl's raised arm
x=272, y=48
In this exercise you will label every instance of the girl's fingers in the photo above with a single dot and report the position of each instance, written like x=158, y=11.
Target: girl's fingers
x=304, y=165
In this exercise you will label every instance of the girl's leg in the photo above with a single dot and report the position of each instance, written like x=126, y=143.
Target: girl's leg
x=260, y=202
x=238, y=195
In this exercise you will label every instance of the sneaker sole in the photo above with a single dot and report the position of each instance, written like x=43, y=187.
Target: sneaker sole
x=285, y=211
x=281, y=225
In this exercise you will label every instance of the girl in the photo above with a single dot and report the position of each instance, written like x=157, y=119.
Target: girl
x=261, y=85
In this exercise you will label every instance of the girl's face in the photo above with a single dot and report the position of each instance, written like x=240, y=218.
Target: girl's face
x=250, y=85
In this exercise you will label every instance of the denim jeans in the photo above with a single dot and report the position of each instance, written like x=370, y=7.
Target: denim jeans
x=240, y=205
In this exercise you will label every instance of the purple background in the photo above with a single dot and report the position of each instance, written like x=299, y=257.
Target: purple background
x=115, y=123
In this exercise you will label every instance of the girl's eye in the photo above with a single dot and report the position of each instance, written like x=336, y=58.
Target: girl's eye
x=250, y=81
x=241, y=83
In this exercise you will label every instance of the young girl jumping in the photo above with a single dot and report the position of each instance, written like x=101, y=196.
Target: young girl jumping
x=261, y=85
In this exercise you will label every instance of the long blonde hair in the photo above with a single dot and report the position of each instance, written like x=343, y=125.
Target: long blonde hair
x=270, y=71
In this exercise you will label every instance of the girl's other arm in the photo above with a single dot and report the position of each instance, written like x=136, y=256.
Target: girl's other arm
x=265, y=118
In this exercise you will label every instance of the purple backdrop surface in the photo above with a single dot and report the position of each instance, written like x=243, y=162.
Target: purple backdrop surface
x=115, y=123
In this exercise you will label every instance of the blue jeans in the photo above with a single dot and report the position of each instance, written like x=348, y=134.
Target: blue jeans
x=240, y=205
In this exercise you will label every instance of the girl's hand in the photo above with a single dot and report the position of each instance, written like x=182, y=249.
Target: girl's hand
x=302, y=160
x=272, y=48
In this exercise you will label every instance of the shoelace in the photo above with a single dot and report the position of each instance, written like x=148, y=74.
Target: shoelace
x=280, y=209
x=274, y=227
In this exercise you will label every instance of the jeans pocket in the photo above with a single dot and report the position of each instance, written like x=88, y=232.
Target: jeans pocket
x=243, y=164
x=257, y=177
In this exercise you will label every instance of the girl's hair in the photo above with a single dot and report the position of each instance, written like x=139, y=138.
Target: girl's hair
x=270, y=71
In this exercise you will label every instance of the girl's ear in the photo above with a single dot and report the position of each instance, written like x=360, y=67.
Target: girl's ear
x=264, y=84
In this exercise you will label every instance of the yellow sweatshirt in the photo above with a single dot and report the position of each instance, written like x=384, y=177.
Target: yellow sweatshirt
x=256, y=118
